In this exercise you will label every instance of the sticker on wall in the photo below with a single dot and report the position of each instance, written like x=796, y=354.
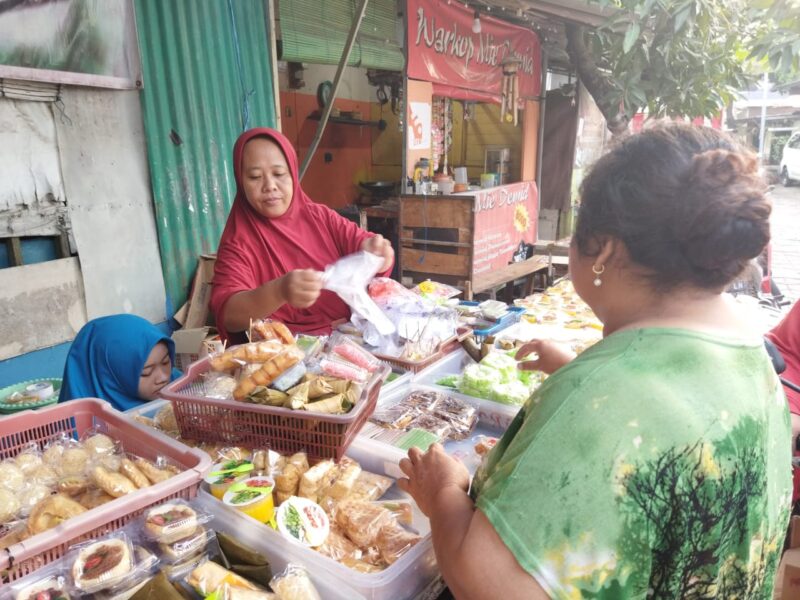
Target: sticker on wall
x=419, y=126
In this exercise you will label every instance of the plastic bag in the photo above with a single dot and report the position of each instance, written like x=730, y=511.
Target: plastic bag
x=49, y=582
x=29, y=459
x=208, y=577
x=102, y=564
x=393, y=541
x=172, y=522
x=344, y=347
x=369, y=486
x=437, y=292
x=218, y=386
x=362, y=521
x=348, y=278
x=385, y=291
x=294, y=584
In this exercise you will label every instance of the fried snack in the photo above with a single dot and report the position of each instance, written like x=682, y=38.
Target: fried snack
x=146, y=421
x=165, y=418
x=269, y=371
x=316, y=479
x=9, y=505
x=294, y=584
x=52, y=511
x=369, y=486
x=271, y=330
x=132, y=472
x=393, y=541
x=100, y=443
x=113, y=484
x=52, y=455
x=28, y=461
x=12, y=476
x=253, y=353
x=347, y=472
x=73, y=485
x=338, y=547
x=362, y=521
x=152, y=472
x=288, y=480
x=260, y=460
x=44, y=474
x=74, y=461
x=33, y=494
x=94, y=498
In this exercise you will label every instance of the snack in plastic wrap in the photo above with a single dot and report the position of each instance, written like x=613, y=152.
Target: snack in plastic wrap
x=400, y=509
x=93, y=498
x=73, y=485
x=218, y=386
x=287, y=480
x=9, y=505
x=252, y=353
x=113, y=484
x=294, y=584
x=170, y=522
x=99, y=443
x=208, y=577
x=303, y=521
x=231, y=592
x=432, y=423
x=44, y=474
x=341, y=369
x=74, y=460
x=52, y=511
x=53, y=452
x=297, y=397
x=269, y=371
x=29, y=460
x=345, y=477
x=483, y=444
x=267, y=329
x=362, y=521
x=165, y=418
x=31, y=495
x=186, y=547
x=338, y=547
x=347, y=349
x=397, y=416
x=156, y=474
x=316, y=479
x=393, y=541
x=11, y=476
x=129, y=469
x=50, y=587
x=370, y=486
x=290, y=378
x=100, y=565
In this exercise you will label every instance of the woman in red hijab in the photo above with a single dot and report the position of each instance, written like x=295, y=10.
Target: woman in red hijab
x=276, y=243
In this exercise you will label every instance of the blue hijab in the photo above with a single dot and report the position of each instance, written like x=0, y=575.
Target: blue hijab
x=107, y=357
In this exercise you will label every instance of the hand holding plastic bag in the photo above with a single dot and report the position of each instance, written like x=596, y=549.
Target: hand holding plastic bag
x=348, y=278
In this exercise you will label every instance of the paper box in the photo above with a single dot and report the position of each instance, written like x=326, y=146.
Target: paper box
x=193, y=344
x=198, y=313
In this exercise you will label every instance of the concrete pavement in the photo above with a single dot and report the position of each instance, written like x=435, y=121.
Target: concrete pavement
x=786, y=239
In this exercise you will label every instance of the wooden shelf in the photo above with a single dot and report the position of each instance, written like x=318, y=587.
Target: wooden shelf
x=380, y=124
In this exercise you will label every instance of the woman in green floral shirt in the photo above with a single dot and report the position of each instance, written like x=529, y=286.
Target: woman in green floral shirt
x=656, y=464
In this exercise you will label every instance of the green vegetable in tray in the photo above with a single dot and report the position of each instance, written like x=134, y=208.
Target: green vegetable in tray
x=450, y=381
x=496, y=378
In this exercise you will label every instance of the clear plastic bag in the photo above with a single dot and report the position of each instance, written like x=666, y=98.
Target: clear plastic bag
x=103, y=564
x=345, y=348
x=348, y=278
x=294, y=584
x=173, y=522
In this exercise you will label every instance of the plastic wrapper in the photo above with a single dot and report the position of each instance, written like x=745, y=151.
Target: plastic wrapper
x=347, y=349
x=31, y=495
x=52, y=511
x=338, y=547
x=144, y=563
x=462, y=417
x=208, y=577
x=157, y=588
x=401, y=510
x=347, y=472
x=303, y=521
x=316, y=479
x=185, y=548
x=290, y=378
x=269, y=371
x=93, y=497
x=99, y=443
x=434, y=291
x=342, y=369
x=102, y=564
x=385, y=291
x=231, y=592
x=54, y=449
x=483, y=444
x=362, y=521
x=28, y=459
x=218, y=385
x=309, y=344
x=370, y=486
x=289, y=474
x=172, y=522
x=112, y=483
x=243, y=560
x=424, y=400
x=9, y=505
x=157, y=471
x=294, y=584
x=45, y=475
x=393, y=541
x=165, y=418
x=252, y=353
x=11, y=476
x=268, y=330
x=348, y=278
x=433, y=424
x=397, y=416
x=50, y=583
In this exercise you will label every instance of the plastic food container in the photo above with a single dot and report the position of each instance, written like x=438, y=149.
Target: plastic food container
x=413, y=575
x=74, y=418
x=257, y=426
x=513, y=315
x=253, y=497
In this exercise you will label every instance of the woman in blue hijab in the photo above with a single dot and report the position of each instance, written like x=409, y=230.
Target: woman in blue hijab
x=122, y=359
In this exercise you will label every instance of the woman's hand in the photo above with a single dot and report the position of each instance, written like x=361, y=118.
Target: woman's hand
x=429, y=473
x=379, y=245
x=551, y=356
x=301, y=288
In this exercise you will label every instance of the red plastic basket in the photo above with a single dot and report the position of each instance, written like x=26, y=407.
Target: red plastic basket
x=74, y=418
x=256, y=426
x=415, y=366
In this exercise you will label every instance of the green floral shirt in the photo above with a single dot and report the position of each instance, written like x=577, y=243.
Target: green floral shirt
x=655, y=465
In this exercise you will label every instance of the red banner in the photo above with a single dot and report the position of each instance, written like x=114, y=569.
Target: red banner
x=443, y=49
x=505, y=222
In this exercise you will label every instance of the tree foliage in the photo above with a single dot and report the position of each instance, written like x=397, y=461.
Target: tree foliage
x=681, y=57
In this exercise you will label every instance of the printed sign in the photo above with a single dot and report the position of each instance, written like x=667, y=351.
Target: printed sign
x=443, y=49
x=505, y=225
x=419, y=126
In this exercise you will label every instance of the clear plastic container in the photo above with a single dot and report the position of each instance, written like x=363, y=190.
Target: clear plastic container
x=414, y=573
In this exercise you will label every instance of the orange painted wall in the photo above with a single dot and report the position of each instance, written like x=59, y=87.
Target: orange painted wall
x=350, y=147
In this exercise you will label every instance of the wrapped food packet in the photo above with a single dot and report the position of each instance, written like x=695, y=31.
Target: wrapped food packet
x=243, y=560
x=294, y=584
x=165, y=418
x=344, y=478
x=398, y=416
x=112, y=483
x=370, y=486
x=218, y=385
x=342, y=369
x=269, y=371
x=297, y=396
x=158, y=588
x=287, y=478
x=267, y=330
x=290, y=378
x=231, y=592
x=97, y=442
x=252, y=353
x=316, y=479
x=362, y=521
x=29, y=458
x=53, y=450
x=434, y=291
x=144, y=563
x=335, y=405
x=158, y=470
x=425, y=400
x=208, y=577
x=267, y=396
x=433, y=424
x=172, y=522
x=31, y=495
x=401, y=510
x=11, y=476
x=13, y=533
x=50, y=583
x=338, y=547
x=344, y=347
x=393, y=541
x=319, y=387
x=45, y=475
x=185, y=548
x=103, y=564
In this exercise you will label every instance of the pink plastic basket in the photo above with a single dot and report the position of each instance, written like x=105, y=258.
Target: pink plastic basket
x=281, y=429
x=415, y=366
x=74, y=418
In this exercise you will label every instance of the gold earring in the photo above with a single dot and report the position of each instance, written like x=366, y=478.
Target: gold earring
x=597, y=281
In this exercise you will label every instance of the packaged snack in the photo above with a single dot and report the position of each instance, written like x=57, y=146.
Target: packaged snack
x=208, y=577
x=253, y=497
x=267, y=329
x=219, y=386
x=73, y=485
x=31, y=495
x=93, y=497
x=29, y=459
x=129, y=469
x=231, y=592
x=401, y=510
x=102, y=564
x=287, y=479
x=294, y=584
x=50, y=585
x=344, y=478
x=222, y=475
x=362, y=521
x=290, y=378
x=316, y=479
x=9, y=505
x=52, y=511
x=303, y=521
x=98, y=443
x=370, y=486
x=269, y=371
x=346, y=348
x=338, y=547
x=309, y=344
x=186, y=547
x=393, y=541
x=297, y=397
x=252, y=353
x=426, y=401
x=319, y=387
x=342, y=369
x=483, y=444
x=44, y=474
x=11, y=476
x=170, y=522
x=53, y=450
x=113, y=484
x=158, y=472
x=397, y=416
x=74, y=460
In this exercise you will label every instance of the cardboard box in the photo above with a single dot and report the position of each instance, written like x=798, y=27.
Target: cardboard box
x=199, y=314
x=193, y=344
x=787, y=581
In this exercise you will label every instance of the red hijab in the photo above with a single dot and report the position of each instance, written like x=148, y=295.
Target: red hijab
x=786, y=337
x=255, y=249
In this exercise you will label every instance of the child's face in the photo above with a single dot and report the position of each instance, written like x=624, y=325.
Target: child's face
x=156, y=372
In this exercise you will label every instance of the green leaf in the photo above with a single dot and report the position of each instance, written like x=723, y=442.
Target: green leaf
x=630, y=37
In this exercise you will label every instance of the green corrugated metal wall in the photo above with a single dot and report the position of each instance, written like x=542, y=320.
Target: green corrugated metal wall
x=193, y=113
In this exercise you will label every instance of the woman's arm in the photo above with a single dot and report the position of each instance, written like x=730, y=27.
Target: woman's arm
x=299, y=288
x=473, y=559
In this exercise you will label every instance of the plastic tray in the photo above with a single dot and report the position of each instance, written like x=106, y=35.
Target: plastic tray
x=415, y=366
x=7, y=409
x=488, y=425
x=513, y=315
x=252, y=425
x=413, y=576
x=74, y=418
